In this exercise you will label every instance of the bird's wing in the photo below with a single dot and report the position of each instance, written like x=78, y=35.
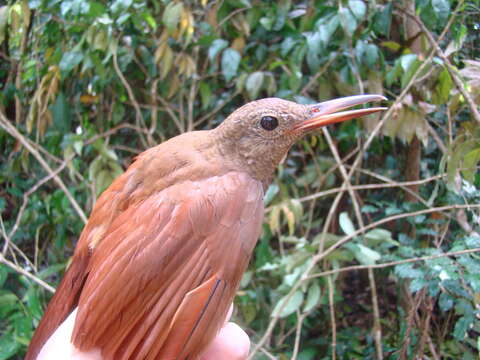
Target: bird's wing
x=110, y=204
x=161, y=280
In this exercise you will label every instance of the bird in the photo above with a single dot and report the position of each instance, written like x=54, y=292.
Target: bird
x=160, y=259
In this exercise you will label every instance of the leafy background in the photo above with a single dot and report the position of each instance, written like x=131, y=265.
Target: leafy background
x=370, y=242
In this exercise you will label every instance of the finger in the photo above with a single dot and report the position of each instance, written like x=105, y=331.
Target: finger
x=231, y=343
x=59, y=347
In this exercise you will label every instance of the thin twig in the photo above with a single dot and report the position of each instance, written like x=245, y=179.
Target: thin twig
x=437, y=139
x=22, y=271
x=402, y=184
x=169, y=110
x=131, y=95
x=215, y=110
x=232, y=14
x=114, y=130
x=393, y=263
x=375, y=224
x=451, y=70
x=30, y=191
x=11, y=246
x=5, y=124
x=267, y=354
x=322, y=254
x=333, y=324
x=319, y=73
x=377, y=330
x=298, y=334
x=6, y=237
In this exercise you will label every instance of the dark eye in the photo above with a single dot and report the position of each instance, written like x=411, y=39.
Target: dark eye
x=269, y=122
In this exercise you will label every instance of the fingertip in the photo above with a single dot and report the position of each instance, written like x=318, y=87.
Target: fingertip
x=231, y=343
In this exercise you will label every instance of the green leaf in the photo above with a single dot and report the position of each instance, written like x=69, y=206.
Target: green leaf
x=274, y=221
x=230, y=62
x=96, y=9
x=326, y=27
x=249, y=312
x=296, y=207
x=406, y=61
x=70, y=59
x=462, y=326
x=8, y=346
x=315, y=42
x=408, y=271
x=292, y=305
x=313, y=297
x=295, y=80
x=103, y=170
x=363, y=254
x=3, y=274
x=392, y=45
x=290, y=216
x=367, y=209
x=287, y=45
x=75, y=7
x=347, y=20
x=410, y=70
x=61, y=113
x=205, y=94
x=441, y=9
x=378, y=235
x=371, y=55
x=8, y=300
x=445, y=301
x=346, y=224
x=472, y=241
x=149, y=19
x=267, y=23
x=417, y=284
x=470, y=162
x=33, y=301
x=358, y=8
x=171, y=15
x=441, y=92
x=254, y=83
x=272, y=190
x=383, y=19
x=120, y=5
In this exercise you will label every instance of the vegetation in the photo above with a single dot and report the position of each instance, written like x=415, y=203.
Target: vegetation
x=371, y=241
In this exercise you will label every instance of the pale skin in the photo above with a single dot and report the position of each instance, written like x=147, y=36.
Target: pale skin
x=231, y=343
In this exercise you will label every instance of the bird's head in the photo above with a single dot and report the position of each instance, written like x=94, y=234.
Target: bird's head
x=259, y=134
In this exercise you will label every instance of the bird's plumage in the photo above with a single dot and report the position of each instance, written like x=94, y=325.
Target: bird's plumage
x=166, y=287
x=165, y=235
x=161, y=257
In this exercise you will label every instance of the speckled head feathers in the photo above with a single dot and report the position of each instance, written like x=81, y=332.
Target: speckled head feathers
x=259, y=134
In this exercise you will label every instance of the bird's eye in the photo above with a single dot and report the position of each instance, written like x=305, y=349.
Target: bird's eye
x=269, y=122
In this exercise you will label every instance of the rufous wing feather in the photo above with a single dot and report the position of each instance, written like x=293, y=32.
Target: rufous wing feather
x=162, y=279
x=111, y=203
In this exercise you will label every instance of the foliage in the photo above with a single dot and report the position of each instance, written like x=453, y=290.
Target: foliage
x=90, y=84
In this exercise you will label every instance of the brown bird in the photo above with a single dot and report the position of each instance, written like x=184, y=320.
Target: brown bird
x=161, y=257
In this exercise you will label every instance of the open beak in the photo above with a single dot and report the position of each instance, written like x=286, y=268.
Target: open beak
x=325, y=113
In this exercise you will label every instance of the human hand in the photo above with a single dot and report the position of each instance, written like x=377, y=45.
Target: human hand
x=231, y=343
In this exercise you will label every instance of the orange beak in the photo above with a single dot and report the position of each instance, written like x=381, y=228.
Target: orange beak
x=325, y=113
